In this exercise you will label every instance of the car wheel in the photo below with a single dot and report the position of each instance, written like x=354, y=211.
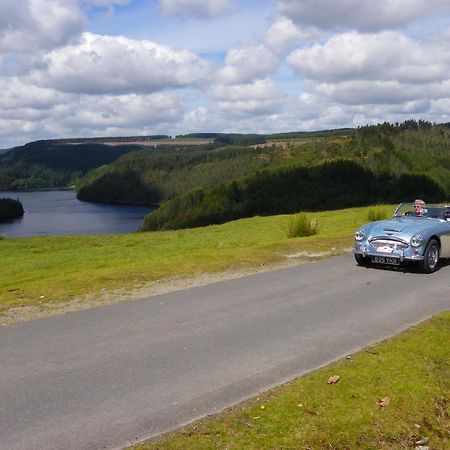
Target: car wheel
x=361, y=260
x=430, y=257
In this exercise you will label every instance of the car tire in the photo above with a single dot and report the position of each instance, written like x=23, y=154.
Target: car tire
x=430, y=257
x=361, y=260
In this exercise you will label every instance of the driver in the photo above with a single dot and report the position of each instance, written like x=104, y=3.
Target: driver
x=419, y=207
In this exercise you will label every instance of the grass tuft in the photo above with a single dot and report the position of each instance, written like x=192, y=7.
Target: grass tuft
x=300, y=225
x=377, y=213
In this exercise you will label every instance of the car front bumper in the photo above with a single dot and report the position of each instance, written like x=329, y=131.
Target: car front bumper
x=367, y=251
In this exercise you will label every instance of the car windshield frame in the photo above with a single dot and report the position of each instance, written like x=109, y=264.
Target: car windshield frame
x=430, y=211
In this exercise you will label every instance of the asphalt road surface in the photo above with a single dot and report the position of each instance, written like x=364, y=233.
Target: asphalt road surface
x=111, y=376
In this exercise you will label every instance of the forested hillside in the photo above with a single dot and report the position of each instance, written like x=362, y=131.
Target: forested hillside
x=384, y=163
x=328, y=186
x=46, y=164
x=169, y=172
x=165, y=173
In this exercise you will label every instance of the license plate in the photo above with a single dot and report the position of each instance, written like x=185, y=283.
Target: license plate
x=385, y=249
x=386, y=260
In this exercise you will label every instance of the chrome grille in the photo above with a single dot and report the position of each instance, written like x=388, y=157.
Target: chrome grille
x=393, y=244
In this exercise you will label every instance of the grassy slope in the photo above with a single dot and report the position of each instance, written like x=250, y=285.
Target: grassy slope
x=412, y=369
x=61, y=268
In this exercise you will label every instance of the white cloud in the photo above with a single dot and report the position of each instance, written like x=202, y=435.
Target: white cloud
x=383, y=56
x=196, y=8
x=370, y=92
x=259, y=97
x=29, y=26
x=283, y=33
x=109, y=3
x=18, y=96
x=247, y=63
x=37, y=113
x=123, y=111
x=363, y=15
x=118, y=65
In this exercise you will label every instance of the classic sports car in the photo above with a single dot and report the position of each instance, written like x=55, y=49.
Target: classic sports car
x=422, y=237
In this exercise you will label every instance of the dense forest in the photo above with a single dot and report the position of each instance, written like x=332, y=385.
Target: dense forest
x=332, y=185
x=409, y=148
x=171, y=171
x=10, y=209
x=44, y=164
x=384, y=163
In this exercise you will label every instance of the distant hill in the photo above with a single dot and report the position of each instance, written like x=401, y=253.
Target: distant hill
x=45, y=164
x=59, y=162
x=102, y=140
x=409, y=148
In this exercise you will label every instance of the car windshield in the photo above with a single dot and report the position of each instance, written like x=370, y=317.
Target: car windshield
x=425, y=211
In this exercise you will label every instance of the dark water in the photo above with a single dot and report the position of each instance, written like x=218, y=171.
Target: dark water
x=59, y=212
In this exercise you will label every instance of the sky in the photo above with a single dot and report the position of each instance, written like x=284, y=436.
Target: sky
x=83, y=68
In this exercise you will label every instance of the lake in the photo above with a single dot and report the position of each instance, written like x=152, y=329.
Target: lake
x=60, y=212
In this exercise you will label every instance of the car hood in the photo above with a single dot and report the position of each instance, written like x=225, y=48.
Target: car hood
x=401, y=227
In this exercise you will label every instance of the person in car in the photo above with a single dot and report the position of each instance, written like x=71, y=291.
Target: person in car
x=419, y=207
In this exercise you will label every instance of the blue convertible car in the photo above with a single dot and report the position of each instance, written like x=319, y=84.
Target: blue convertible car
x=421, y=236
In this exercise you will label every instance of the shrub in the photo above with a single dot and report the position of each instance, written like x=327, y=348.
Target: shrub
x=377, y=213
x=299, y=225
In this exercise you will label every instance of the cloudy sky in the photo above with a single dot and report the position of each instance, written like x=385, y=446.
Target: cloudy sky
x=71, y=68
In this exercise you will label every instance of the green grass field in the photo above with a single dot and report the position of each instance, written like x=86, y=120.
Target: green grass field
x=60, y=268
x=411, y=370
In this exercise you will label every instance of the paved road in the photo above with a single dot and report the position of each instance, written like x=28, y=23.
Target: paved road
x=106, y=377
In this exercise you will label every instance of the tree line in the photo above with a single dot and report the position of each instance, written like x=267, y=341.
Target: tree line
x=332, y=185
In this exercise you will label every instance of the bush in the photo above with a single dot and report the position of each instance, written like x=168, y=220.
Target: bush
x=299, y=225
x=377, y=213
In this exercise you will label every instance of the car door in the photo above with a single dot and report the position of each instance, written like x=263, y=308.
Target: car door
x=445, y=241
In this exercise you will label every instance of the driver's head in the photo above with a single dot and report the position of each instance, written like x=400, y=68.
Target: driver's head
x=418, y=206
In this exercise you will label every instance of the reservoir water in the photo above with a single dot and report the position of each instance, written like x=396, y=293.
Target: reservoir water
x=60, y=212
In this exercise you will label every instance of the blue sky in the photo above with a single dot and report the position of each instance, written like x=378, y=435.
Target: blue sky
x=72, y=68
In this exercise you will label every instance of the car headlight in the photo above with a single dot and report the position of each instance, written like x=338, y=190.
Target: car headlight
x=416, y=240
x=360, y=235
